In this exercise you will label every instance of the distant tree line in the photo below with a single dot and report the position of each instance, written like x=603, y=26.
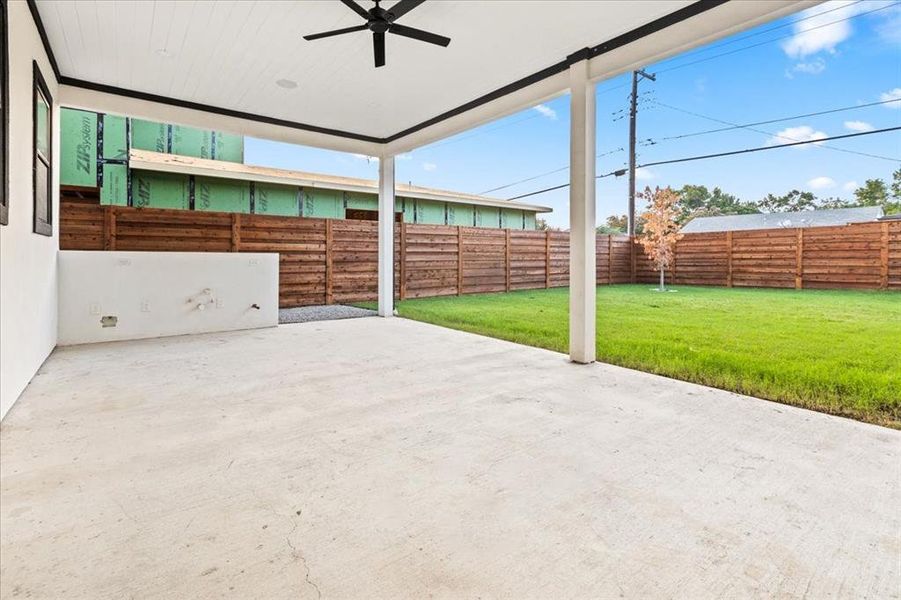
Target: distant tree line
x=699, y=201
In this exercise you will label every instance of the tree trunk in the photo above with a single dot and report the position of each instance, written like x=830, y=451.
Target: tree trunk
x=662, y=284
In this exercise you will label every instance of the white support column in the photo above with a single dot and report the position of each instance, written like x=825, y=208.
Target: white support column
x=386, y=236
x=582, y=274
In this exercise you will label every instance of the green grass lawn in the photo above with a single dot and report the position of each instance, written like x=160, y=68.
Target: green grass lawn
x=833, y=351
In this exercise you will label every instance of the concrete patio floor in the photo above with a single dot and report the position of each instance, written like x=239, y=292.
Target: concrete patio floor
x=375, y=458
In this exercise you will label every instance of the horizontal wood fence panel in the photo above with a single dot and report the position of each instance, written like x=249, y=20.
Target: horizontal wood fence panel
x=323, y=261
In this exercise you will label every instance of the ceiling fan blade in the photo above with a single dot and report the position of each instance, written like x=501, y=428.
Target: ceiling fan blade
x=419, y=34
x=403, y=7
x=325, y=34
x=356, y=8
x=378, y=46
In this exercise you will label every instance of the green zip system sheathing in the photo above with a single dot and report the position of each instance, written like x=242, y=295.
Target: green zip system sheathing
x=408, y=207
x=149, y=135
x=272, y=199
x=95, y=149
x=511, y=218
x=487, y=216
x=361, y=201
x=160, y=190
x=228, y=147
x=115, y=185
x=430, y=212
x=221, y=195
x=78, y=160
x=115, y=138
x=460, y=214
x=187, y=141
x=320, y=203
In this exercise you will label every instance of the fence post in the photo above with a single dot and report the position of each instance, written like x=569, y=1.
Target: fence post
x=328, y=261
x=799, y=259
x=729, y=258
x=547, y=259
x=403, y=261
x=109, y=227
x=507, y=259
x=609, y=258
x=633, y=276
x=883, y=258
x=459, y=260
x=236, y=232
x=675, y=260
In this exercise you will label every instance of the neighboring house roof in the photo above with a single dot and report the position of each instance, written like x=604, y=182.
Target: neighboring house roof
x=172, y=163
x=805, y=218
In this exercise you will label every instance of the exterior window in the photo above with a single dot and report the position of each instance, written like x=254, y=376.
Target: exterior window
x=4, y=117
x=43, y=159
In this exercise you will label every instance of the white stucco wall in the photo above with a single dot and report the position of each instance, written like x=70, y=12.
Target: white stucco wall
x=153, y=294
x=28, y=279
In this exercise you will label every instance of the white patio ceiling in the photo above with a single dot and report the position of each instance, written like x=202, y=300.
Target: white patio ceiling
x=227, y=55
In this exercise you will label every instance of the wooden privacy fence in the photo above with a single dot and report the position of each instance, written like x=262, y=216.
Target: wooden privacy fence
x=861, y=255
x=331, y=260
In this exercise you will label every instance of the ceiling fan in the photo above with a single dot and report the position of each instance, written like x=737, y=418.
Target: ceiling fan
x=380, y=21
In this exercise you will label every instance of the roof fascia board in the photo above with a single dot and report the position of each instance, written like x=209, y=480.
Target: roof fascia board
x=122, y=103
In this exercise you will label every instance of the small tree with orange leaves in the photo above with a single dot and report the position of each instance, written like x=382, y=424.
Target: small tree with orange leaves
x=661, y=232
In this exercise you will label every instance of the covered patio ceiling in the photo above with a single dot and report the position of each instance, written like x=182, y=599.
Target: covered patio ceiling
x=226, y=58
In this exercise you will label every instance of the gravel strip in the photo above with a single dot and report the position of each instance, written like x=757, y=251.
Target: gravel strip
x=307, y=314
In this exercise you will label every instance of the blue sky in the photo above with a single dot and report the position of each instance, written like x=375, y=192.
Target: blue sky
x=837, y=54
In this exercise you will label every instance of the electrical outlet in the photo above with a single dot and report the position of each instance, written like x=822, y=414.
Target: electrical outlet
x=145, y=306
x=220, y=303
x=94, y=308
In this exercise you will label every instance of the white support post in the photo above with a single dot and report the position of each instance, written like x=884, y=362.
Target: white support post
x=386, y=236
x=582, y=274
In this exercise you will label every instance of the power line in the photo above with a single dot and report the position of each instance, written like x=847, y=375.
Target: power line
x=731, y=127
x=705, y=59
x=742, y=38
x=768, y=122
x=760, y=131
x=762, y=148
x=545, y=174
x=717, y=155
x=764, y=31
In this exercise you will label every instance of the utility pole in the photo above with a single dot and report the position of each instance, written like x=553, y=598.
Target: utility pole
x=633, y=113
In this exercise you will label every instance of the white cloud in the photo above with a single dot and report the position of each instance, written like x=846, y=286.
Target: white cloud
x=890, y=95
x=821, y=183
x=405, y=156
x=546, y=111
x=803, y=133
x=820, y=32
x=644, y=174
x=814, y=67
x=860, y=126
x=890, y=27
x=428, y=166
x=850, y=186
